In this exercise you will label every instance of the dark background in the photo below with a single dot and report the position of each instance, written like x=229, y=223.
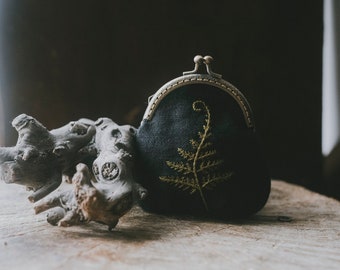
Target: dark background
x=63, y=60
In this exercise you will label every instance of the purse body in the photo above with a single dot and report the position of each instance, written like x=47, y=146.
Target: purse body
x=198, y=152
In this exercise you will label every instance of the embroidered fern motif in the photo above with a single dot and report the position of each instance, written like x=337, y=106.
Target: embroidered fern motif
x=198, y=171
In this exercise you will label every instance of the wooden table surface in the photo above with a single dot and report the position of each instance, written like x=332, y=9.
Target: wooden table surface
x=308, y=239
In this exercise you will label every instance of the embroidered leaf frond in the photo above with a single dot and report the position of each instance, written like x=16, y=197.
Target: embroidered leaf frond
x=208, y=165
x=212, y=181
x=181, y=182
x=186, y=154
x=206, y=145
x=207, y=154
x=199, y=170
x=205, y=136
x=194, y=144
x=181, y=167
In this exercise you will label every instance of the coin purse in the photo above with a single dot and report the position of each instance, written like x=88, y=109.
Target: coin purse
x=197, y=149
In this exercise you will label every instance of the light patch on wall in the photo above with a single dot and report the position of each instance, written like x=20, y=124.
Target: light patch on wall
x=2, y=121
x=2, y=116
x=3, y=97
x=330, y=84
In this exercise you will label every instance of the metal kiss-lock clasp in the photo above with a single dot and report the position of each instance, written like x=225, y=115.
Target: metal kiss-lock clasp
x=199, y=60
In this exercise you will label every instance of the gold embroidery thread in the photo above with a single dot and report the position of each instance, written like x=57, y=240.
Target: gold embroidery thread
x=198, y=170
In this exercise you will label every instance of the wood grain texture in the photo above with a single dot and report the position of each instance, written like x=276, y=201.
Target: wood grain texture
x=311, y=240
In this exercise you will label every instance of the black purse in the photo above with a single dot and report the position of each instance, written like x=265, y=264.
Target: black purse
x=197, y=149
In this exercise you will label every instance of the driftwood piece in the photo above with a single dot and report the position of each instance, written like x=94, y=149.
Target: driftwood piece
x=115, y=162
x=107, y=195
x=84, y=201
x=114, y=191
x=62, y=200
x=40, y=157
x=74, y=143
x=99, y=202
x=31, y=159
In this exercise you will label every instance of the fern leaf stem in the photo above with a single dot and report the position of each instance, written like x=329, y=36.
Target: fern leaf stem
x=204, y=135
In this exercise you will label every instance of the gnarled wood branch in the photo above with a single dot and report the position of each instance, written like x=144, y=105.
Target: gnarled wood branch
x=42, y=158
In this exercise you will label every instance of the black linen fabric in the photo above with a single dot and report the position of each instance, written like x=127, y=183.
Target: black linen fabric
x=229, y=153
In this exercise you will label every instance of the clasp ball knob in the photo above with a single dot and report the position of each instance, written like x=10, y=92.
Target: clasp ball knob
x=208, y=59
x=198, y=59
